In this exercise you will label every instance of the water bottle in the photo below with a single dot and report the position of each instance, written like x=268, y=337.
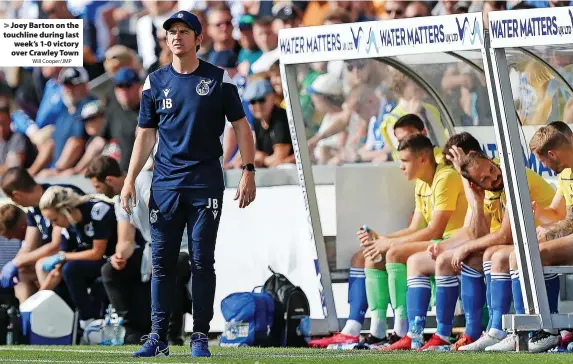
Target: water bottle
x=378, y=259
x=417, y=332
x=341, y=346
x=13, y=327
x=108, y=327
x=118, y=332
x=439, y=348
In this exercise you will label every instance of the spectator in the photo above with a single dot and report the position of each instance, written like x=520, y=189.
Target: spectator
x=165, y=56
x=449, y=7
x=376, y=149
x=249, y=52
x=92, y=115
x=207, y=43
x=410, y=100
x=220, y=28
x=231, y=156
x=122, y=113
x=51, y=104
x=120, y=56
x=491, y=6
x=267, y=41
x=16, y=150
x=395, y=9
x=59, y=10
x=337, y=16
x=359, y=10
x=326, y=94
x=69, y=136
x=276, y=82
x=272, y=134
x=90, y=236
x=147, y=27
x=361, y=105
x=284, y=17
x=126, y=284
x=416, y=9
x=315, y=12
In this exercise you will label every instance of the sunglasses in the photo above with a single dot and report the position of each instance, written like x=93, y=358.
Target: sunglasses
x=257, y=101
x=124, y=85
x=357, y=65
x=218, y=25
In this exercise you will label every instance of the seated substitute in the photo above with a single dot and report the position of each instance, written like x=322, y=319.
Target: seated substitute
x=128, y=290
x=440, y=211
x=409, y=124
x=491, y=243
x=555, y=151
x=90, y=230
x=41, y=239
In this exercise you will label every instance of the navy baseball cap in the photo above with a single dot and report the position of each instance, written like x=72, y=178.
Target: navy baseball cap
x=257, y=90
x=125, y=75
x=186, y=18
x=225, y=59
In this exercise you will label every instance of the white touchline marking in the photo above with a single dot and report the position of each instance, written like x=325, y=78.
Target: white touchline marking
x=217, y=355
x=73, y=361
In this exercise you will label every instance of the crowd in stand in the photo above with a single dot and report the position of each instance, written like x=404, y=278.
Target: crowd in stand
x=55, y=120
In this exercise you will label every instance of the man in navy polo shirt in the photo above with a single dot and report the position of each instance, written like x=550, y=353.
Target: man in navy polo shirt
x=186, y=104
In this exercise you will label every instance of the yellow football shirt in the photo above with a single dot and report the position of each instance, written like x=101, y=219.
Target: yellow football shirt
x=495, y=202
x=565, y=186
x=438, y=155
x=446, y=193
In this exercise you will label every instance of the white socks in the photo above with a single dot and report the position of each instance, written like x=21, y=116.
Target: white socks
x=352, y=328
x=378, y=327
x=400, y=326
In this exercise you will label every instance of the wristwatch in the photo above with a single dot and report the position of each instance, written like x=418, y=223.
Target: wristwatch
x=249, y=167
x=61, y=256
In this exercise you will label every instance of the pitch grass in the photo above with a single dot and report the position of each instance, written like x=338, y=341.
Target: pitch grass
x=104, y=355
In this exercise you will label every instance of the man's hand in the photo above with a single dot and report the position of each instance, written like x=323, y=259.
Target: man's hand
x=541, y=231
x=367, y=238
x=247, y=190
x=435, y=250
x=476, y=197
x=312, y=142
x=456, y=155
x=128, y=193
x=8, y=275
x=536, y=209
x=377, y=248
x=458, y=258
x=117, y=261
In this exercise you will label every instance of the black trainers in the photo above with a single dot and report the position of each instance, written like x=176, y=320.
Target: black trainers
x=373, y=342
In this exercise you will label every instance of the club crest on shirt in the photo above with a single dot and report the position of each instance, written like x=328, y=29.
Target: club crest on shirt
x=89, y=229
x=203, y=87
x=153, y=216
